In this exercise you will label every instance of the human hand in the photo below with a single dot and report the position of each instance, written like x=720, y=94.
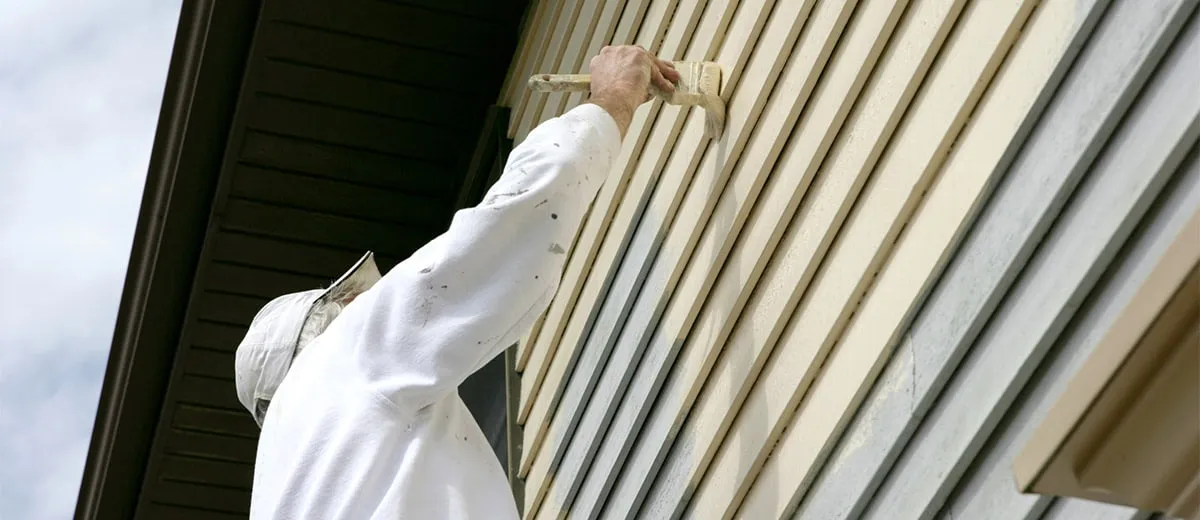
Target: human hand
x=622, y=77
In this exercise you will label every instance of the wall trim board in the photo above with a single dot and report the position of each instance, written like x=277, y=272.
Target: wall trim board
x=960, y=74
x=989, y=487
x=982, y=152
x=1098, y=90
x=1078, y=509
x=666, y=490
x=601, y=214
x=627, y=199
x=1137, y=161
x=680, y=171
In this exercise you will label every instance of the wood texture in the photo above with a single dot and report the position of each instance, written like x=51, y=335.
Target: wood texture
x=736, y=26
x=579, y=288
x=747, y=103
x=651, y=137
x=602, y=212
x=566, y=23
x=1104, y=80
x=573, y=58
x=987, y=490
x=518, y=66
x=1135, y=165
x=981, y=153
x=840, y=82
x=535, y=57
x=940, y=110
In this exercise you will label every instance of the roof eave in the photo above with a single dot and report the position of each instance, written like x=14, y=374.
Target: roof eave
x=199, y=98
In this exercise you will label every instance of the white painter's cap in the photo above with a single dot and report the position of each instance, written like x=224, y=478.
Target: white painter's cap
x=266, y=352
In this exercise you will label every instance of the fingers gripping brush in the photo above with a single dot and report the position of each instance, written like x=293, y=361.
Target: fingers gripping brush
x=699, y=85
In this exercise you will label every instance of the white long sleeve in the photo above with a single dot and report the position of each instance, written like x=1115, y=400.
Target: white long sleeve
x=459, y=301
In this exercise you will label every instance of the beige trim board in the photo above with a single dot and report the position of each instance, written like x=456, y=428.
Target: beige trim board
x=1127, y=428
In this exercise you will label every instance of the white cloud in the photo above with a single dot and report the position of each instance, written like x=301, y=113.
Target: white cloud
x=80, y=88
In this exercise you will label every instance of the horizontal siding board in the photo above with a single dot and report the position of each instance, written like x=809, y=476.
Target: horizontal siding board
x=209, y=362
x=213, y=498
x=364, y=167
x=373, y=95
x=207, y=392
x=217, y=421
x=982, y=152
x=328, y=230
x=337, y=198
x=1078, y=121
x=875, y=115
x=214, y=335
x=346, y=128
x=231, y=309
x=497, y=10
x=156, y=510
x=397, y=23
x=287, y=256
x=371, y=58
x=986, y=491
x=195, y=470
x=1135, y=164
x=256, y=282
x=210, y=445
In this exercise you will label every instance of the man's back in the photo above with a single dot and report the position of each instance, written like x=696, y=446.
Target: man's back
x=327, y=434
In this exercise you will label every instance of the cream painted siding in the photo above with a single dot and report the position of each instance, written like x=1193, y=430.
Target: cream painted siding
x=861, y=299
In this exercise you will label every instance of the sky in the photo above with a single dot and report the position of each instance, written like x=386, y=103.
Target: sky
x=80, y=88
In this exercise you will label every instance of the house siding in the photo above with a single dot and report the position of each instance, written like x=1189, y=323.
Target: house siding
x=860, y=300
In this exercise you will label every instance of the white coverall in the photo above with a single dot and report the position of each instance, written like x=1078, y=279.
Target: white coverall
x=367, y=423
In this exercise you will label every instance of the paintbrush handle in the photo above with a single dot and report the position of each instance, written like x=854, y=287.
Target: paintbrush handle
x=574, y=83
x=560, y=82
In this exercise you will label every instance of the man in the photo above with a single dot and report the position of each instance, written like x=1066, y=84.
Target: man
x=367, y=423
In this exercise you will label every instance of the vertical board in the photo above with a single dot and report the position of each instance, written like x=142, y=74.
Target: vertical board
x=583, y=283
x=983, y=150
x=987, y=490
x=971, y=56
x=1150, y=144
x=857, y=49
x=744, y=27
x=539, y=38
x=566, y=24
x=601, y=214
x=1094, y=96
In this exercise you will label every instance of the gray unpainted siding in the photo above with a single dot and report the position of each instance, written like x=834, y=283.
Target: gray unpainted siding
x=1101, y=186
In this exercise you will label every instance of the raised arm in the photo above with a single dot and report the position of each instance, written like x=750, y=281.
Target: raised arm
x=459, y=301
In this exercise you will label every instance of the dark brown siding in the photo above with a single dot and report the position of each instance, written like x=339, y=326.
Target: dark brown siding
x=353, y=131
